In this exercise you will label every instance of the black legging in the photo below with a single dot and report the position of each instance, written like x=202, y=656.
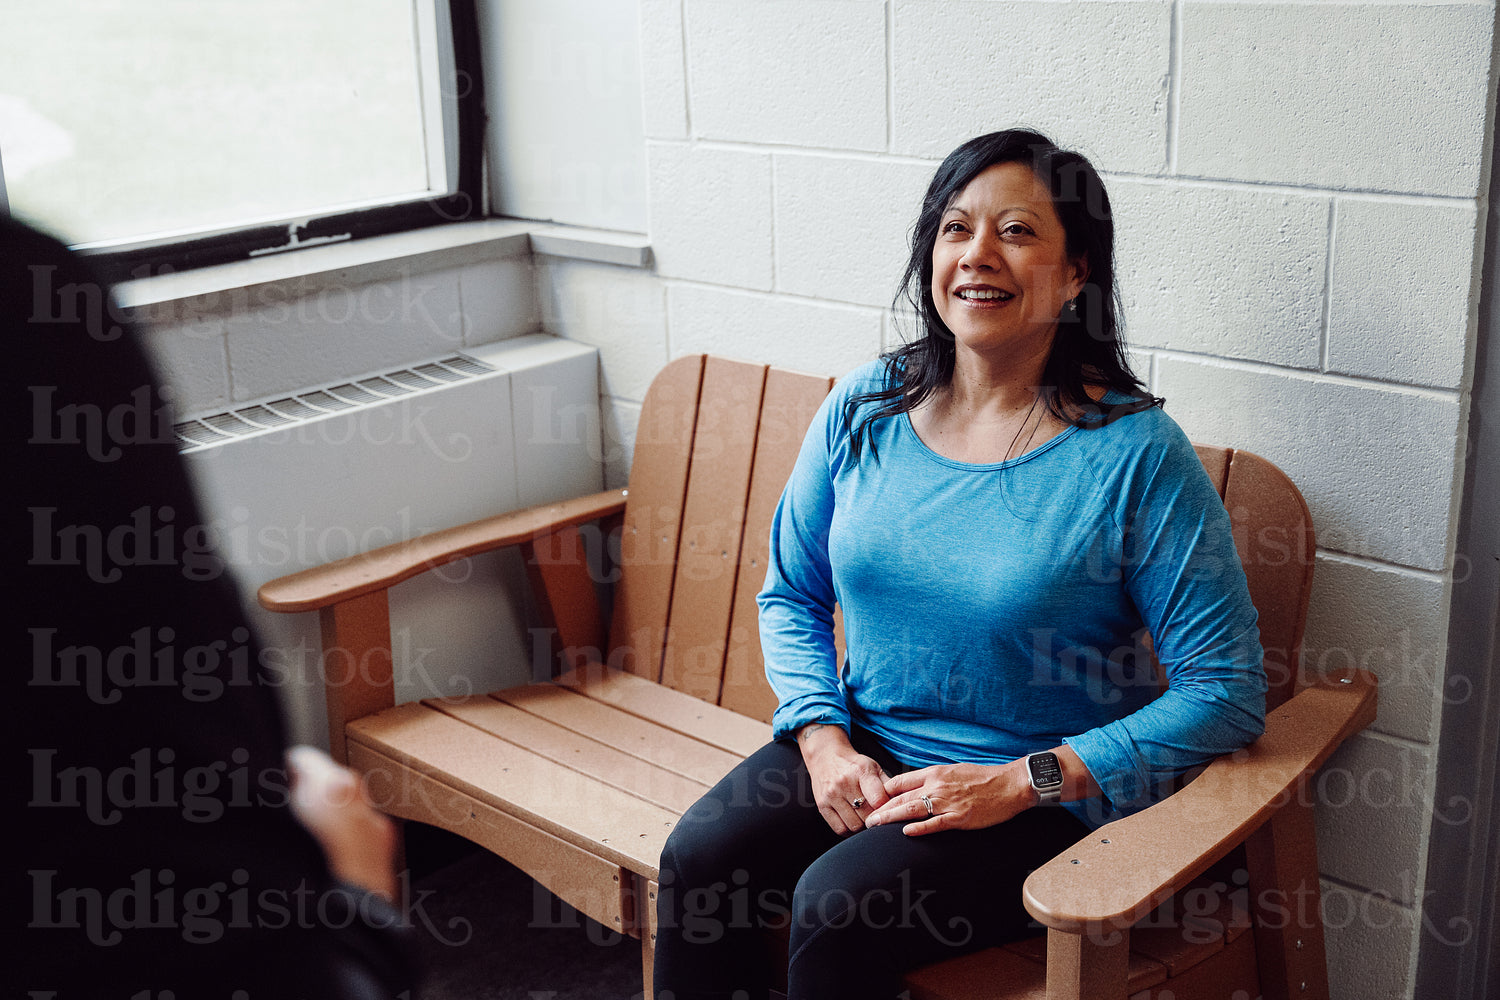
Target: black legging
x=754, y=853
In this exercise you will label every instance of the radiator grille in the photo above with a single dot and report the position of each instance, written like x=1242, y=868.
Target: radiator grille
x=215, y=428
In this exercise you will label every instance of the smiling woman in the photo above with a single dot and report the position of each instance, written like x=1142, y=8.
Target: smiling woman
x=162, y=123
x=1000, y=512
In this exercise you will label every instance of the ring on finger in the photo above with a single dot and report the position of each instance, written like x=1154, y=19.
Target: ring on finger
x=927, y=801
x=858, y=803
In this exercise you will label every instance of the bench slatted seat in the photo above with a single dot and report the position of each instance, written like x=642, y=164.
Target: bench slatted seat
x=578, y=778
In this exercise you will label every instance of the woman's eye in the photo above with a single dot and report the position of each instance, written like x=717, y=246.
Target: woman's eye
x=1015, y=229
x=953, y=227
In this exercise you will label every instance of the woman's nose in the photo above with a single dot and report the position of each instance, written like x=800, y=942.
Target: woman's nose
x=982, y=252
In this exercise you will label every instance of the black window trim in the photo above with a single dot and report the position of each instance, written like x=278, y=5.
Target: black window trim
x=169, y=255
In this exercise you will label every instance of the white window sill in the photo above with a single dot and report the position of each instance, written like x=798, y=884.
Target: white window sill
x=378, y=257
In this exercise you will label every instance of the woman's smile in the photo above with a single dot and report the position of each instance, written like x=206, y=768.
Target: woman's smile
x=983, y=296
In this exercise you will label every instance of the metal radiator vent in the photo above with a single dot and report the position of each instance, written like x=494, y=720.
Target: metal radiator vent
x=202, y=432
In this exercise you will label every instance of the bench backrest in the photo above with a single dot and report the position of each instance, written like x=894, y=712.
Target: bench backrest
x=716, y=442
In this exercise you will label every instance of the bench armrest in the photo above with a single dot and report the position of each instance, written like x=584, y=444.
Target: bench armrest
x=1123, y=870
x=379, y=569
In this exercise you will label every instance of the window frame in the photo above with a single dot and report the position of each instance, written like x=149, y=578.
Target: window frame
x=167, y=255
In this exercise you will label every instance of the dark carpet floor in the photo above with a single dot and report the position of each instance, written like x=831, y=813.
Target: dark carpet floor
x=488, y=932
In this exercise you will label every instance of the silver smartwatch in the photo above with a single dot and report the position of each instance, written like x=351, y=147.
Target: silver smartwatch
x=1046, y=777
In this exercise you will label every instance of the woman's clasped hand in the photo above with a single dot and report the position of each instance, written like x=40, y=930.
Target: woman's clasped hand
x=962, y=797
x=847, y=785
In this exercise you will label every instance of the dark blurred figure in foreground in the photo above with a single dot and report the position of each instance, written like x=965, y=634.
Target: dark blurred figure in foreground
x=170, y=847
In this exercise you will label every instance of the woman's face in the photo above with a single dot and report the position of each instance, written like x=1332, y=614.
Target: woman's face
x=1000, y=269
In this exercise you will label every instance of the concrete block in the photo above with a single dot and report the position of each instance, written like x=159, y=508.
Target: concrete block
x=620, y=421
x=897, y=328
x=1091, y=76
x=711, y=214
x=1376, y=465
x=279, y=344
x=788, y=71
x=621, y=311
x=1140, y=363
x=843, y=225
x=663, y=78
x=1373, y=809
x=1389, y=621
x=1369, y=941
x=793, y=333
x=498, y=299
x=1291, y=94
x=901, y=326
x=189, y=357
x=1397, y=313
x=1216, y=271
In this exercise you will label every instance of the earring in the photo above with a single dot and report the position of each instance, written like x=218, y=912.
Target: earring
x=1072, y=307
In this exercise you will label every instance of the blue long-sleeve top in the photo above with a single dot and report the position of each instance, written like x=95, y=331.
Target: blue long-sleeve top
x=996, y=610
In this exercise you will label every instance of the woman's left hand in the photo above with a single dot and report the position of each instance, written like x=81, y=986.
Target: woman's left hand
x=963, y=797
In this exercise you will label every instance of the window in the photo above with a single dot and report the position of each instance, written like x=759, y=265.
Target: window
x=179, y=133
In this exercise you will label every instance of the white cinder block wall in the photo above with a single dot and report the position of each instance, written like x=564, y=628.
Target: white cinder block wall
x=1296, y=188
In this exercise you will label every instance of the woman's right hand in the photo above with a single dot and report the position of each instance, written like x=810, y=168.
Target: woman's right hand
x=846, y=784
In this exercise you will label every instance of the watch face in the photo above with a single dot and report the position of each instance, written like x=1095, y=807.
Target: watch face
x=1045, y=771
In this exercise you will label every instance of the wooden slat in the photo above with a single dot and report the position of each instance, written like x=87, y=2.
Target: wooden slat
x=1283, y=860
x=791, y=400
x=713, y=517
x=584, y=881
x=1230, y=917
x=711, y=724
x=1273, y=533
x=631, y=775
x=1216, y=463
x=665, y=748
x=991, y=974
x=567, y=602
x=387, y=566
x=646, y=915
x=357, y=678
x=1230, y=975
x=653, y=517
x=1169, y=946
x=1141, y=971
x=1123, y=870
x=571, y=806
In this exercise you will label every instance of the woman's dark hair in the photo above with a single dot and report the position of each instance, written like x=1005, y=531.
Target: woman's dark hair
x=1087, y=350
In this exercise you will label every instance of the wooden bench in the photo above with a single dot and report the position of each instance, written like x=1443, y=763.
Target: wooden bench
x=579, y=778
